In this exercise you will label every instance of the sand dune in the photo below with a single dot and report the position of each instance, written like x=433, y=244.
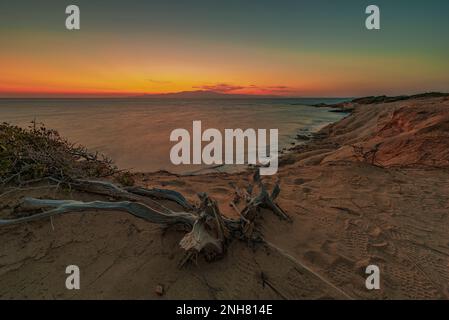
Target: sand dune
x=370, y=189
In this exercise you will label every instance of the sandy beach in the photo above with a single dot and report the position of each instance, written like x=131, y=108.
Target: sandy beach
x=372, y=188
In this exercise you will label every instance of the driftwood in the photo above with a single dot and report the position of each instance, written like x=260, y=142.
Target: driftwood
x=210, y=231
x=56, y=207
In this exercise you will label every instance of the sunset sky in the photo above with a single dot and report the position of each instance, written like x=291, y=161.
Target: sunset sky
x=289, y=48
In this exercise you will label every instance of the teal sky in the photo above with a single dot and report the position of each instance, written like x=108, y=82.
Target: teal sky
x=325, y=41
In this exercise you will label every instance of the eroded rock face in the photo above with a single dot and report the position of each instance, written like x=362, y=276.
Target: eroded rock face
x=403, y=133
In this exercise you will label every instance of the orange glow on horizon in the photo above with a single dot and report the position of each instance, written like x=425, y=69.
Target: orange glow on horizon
x=105, y=66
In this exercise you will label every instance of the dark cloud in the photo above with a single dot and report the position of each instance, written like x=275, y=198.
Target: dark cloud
x=226, y=87
x=220, y=87
x=273, y=89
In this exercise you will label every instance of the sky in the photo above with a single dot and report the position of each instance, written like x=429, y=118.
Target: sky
x=290, y=48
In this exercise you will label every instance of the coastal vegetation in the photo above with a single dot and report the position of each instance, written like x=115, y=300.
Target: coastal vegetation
x=33, y=153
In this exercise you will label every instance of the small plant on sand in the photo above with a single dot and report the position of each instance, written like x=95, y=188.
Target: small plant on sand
x=125, y=178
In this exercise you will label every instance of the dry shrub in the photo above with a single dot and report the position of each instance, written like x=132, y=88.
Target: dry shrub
x=37, y=152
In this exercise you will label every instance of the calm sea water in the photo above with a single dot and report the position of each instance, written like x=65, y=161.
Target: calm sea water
x=135, y=132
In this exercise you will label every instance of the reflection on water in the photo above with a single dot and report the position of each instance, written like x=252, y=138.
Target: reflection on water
x=135, y=132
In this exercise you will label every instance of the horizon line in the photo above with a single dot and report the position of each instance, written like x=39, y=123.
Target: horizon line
x=200, y=94
x=197, y=95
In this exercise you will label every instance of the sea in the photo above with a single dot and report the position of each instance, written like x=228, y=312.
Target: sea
x=135, y=132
